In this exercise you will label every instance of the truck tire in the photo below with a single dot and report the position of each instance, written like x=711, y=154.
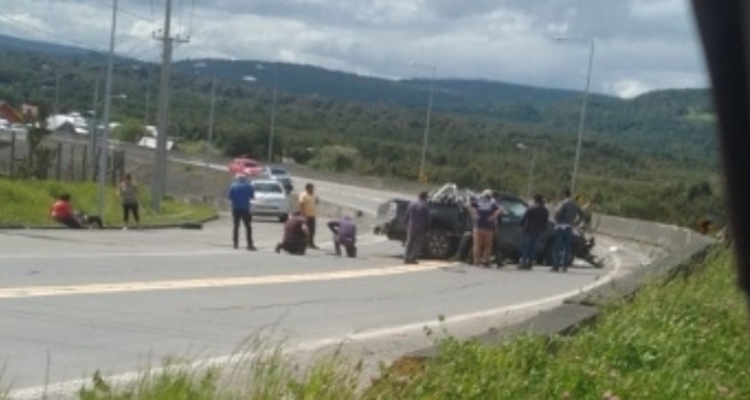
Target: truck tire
x=438, y=245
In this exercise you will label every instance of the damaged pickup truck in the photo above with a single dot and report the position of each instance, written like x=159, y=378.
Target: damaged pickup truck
x=449, y=220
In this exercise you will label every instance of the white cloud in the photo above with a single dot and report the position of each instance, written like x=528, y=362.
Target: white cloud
x=628, y=88
x=641, y=43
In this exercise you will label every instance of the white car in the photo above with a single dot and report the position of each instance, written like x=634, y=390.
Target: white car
x=270, y=199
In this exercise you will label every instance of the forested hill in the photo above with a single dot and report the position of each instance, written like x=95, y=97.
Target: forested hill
x=652, y=122
x=650, y=157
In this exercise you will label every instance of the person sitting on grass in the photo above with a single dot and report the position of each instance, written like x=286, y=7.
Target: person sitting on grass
x=62, y=212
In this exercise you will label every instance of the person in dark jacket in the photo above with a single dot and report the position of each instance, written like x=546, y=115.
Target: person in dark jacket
x=240, y=193
x=533, y=223
x=567, y=215
x=295, y=235
x=417, y=221
x=344, y=234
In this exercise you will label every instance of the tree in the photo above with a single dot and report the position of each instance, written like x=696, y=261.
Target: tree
x=130, y=131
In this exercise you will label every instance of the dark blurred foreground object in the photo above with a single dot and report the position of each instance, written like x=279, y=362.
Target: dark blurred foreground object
x=724, y=29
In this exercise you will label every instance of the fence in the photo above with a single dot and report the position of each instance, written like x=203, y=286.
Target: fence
x=55, y=158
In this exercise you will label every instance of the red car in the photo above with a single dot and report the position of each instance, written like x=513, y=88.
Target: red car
x=246, y=166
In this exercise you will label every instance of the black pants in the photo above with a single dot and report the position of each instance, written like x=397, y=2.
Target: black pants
x=350, y=248
x=463, y=252
x=71, y=222
x=244, y=217
x=294, y=246
x=310, y=222
x=130, y=208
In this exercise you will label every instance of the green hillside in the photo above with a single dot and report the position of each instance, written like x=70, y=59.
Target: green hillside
x=639, y=156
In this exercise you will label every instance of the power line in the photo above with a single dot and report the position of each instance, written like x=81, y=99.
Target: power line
x=128, y=12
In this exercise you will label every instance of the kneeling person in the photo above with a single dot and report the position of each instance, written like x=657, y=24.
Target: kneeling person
x=344, y=234
x=295, y=235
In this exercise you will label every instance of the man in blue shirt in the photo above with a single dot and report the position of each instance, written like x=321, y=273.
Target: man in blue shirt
x=240, y=194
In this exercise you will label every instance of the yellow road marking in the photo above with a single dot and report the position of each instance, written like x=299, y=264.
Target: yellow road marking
x=126, y=287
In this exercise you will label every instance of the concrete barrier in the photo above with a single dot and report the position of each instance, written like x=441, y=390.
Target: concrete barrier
x=681, y=246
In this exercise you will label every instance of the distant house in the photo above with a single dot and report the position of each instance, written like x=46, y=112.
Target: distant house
x=66, y=128
x=28, y=109
x=72, y=123
x=10, y=114
x=150, y=142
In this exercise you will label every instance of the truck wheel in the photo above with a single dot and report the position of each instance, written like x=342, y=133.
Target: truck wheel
x=437, y=245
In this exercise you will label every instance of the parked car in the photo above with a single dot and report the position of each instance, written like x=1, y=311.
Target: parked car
x=449, y=219
x=280, y=174
x=245, y=165
x=270, y=199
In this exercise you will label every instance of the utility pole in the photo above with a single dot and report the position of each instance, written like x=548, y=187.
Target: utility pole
x=273, y=113
x=107, y=104
x=148, y=96
x=160, y=164
x=57, y=91
x=93, y=130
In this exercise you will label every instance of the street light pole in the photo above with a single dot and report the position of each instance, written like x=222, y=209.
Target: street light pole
x=211, y=121
x=425, y=138
x=107, y=104
x=273, y=113
x=532, y=167
x=582, y=121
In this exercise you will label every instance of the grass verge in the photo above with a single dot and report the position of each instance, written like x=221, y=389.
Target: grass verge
x=27, y=203
x=683, y=339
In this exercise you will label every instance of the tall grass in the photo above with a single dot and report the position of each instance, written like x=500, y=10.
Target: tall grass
x=27, y=203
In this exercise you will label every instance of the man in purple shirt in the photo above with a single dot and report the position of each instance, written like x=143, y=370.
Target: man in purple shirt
x=344, y=234
x=417, y=220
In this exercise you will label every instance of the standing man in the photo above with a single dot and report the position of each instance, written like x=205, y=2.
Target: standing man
x=568, y=215
x=344, y=234
x=129, y=196
x=308, y=205
x=295, y=232
x=485, y=212
x=241, y=193
x=417, y=221
x=533, y=223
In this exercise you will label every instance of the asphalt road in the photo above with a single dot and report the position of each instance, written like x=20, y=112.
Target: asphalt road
x=72, y=302
x=349, y=196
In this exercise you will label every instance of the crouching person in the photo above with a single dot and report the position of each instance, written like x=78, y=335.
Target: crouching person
x=344, y=234
x=295, y=235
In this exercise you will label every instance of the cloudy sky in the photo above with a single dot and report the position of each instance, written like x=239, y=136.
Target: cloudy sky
x=641, y=45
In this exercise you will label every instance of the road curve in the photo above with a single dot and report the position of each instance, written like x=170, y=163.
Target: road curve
x=72, y=302
x=116, y=300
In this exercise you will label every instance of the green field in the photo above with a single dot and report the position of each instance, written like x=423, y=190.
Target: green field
x=679, y=340
x=27, y=203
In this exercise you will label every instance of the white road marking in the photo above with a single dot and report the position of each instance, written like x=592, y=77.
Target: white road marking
x=142, y=286
x=72, y=386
